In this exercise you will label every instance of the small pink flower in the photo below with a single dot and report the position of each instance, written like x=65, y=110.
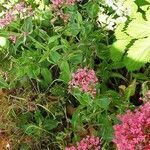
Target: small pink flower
x=59, y=3
x=85, y=80
x=134, y=131
x=11, y=14
x=88, y=143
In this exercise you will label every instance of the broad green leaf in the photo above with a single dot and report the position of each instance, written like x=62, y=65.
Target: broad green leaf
x=131, y=6
x=139, y=28
x=119, y=34
x=138, y=54
x=142, y=2
x=118, y=49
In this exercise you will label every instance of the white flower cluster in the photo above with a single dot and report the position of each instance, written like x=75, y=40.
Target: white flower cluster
x=119, y=13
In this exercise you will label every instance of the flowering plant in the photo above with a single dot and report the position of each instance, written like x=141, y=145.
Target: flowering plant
x=88, y=143
x=85, y=80
x=67, y=71
x=134, y=130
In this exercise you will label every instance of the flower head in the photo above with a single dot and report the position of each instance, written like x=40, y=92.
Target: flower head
x=134, y=130
x=85, y=80
x=88, y=143
x=11, y=14
x=59, y=3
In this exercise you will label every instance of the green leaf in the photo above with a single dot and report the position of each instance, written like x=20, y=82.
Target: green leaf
x=118, y=49
x=145, y=87
x=38, y=117
x=54, y=56
x=140, y=76
x=50, y=124
x=3, y=83
x=138, y=54
x=72, y=30
x=27, y=26
x=76, y=121
x=103, y=102
x=117, y=75
x=139, y=28
x=79, y=17
x=46, y=75
x=65, y=74
x=83, y=98
x=92, y=9
x=130, y=90
x=119, y=32
x=106, y=128
x=53, y=39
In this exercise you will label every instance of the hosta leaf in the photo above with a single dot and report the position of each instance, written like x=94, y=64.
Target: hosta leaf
x=138, y=54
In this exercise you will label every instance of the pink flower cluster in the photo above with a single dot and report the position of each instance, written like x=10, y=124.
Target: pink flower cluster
x=85, y=80
x=60, y=3
x=88, y=143
x=11, y=15
x=134, y=131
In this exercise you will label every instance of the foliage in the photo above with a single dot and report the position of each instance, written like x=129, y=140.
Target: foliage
x=132, y=45
x=43, y=44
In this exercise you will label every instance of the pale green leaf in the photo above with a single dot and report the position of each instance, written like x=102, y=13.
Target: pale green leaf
x=118, y=49
x=139, y=28
x=138, y=54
